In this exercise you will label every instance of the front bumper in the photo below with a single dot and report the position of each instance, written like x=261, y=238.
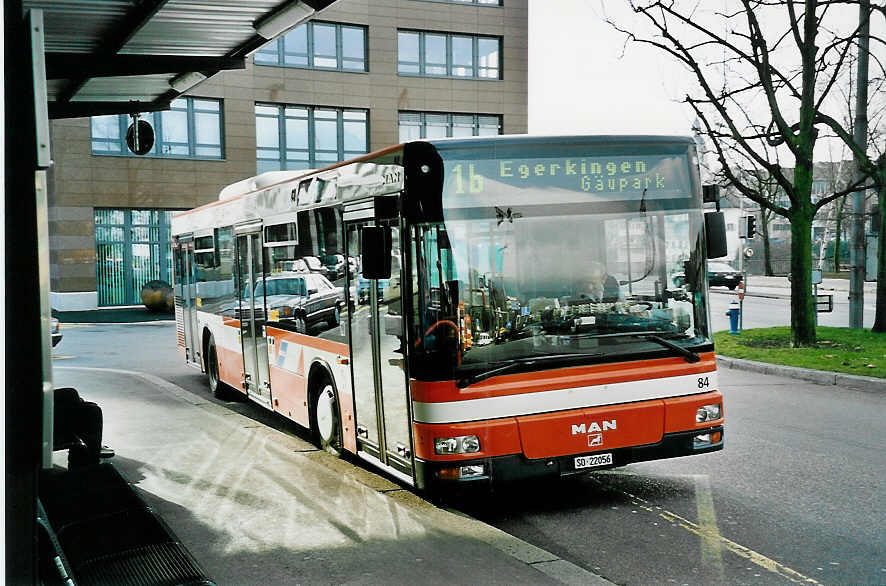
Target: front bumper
x=516, y=467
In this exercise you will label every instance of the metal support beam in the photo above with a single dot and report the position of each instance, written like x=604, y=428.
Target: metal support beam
x=137, y=18
x=83, y=109
x=60, y=65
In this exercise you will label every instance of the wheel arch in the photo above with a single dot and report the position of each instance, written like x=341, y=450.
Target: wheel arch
x=317, y=372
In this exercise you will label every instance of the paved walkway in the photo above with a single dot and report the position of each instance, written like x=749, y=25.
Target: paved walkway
x=256, y=504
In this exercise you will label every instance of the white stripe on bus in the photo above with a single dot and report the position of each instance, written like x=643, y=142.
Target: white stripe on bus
x=563, y=399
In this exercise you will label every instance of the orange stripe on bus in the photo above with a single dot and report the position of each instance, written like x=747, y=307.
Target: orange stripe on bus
x=565, y=378
x=229, y=321
x=309, y=341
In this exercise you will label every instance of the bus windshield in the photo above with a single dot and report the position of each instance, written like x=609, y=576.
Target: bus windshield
x=532, y=263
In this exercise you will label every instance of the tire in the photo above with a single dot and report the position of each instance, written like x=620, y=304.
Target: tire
x=732, y=287
x=325, y=419
x=301, y=326
x=335, y=318
x=216, y=386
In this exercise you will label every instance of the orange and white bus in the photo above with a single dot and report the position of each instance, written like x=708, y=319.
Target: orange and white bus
x=466, y=311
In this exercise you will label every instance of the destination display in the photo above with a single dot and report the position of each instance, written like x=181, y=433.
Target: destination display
x=566, y=179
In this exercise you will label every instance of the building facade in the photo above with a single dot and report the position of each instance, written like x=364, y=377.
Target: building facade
x=359, y=76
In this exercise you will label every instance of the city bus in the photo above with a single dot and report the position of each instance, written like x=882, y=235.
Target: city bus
x=467, y=311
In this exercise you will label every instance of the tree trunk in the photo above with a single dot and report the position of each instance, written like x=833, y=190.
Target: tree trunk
x=880, y=315
x=838, y=234
x=802, y=306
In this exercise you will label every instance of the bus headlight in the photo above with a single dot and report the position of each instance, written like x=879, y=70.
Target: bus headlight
x=708, y=413
x=463, y=444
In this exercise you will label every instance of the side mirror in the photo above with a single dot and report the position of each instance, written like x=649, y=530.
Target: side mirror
x=710, y=194
x=376, y=251
x=715, y=234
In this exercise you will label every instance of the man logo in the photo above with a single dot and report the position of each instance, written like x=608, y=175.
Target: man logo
x=583, y=428
x=595, y=439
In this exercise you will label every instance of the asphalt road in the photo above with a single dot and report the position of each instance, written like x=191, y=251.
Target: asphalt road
x=794, y=497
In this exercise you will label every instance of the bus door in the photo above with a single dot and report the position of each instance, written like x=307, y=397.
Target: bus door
x=188, y=288
x=382, y=408
x=256, y=377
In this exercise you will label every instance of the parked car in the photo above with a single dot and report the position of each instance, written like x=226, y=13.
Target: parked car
x=362, y=292
x=304, y=299
x=306, y=264
x=483, y=339
x=719, y=274
x=723, y=274
x=55, y=329
x=301, y=299
x=336, y=264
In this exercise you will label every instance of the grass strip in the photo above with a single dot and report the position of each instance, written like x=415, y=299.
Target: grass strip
x=843, y=350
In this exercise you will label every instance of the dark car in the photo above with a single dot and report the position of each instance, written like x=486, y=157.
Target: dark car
x=719, y=274
x=723, y=274
x=305, y=299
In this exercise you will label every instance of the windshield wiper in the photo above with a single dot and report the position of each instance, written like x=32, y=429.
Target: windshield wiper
x=519, y=362
x=653, y=336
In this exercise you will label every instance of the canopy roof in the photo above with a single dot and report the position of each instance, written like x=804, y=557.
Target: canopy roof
x=121, y=56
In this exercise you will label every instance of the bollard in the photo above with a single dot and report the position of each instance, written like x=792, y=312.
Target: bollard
x=734, y=313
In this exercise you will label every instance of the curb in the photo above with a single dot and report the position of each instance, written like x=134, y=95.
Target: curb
x=822, y=377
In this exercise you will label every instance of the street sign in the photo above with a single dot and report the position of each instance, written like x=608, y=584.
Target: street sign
x=824, y=303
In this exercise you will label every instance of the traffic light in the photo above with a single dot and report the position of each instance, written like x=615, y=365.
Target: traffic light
x=750, y=226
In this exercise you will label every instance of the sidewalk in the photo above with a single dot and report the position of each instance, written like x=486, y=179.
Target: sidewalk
x=256, y=504
x=755, y=281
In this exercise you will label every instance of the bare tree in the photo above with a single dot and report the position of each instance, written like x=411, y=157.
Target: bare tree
x=791, y=65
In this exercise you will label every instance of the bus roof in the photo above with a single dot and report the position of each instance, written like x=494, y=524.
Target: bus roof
x=276, y=179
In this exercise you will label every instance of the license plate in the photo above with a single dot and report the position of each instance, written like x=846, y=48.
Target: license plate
x=593, y=461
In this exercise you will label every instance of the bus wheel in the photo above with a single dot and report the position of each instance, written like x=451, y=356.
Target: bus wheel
x=326, y=419
x=217, y=387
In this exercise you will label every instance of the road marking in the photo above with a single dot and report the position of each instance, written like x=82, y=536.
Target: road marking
x=711, y=540
x=703, y=532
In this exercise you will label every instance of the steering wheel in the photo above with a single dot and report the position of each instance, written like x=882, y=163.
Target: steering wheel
x=434, y=327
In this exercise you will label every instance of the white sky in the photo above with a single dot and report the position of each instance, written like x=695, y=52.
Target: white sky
x=583, y=79
x=580, y=83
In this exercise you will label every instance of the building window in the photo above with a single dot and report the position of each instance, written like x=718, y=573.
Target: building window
x=448, y=55
x=415, y=125
x=132, y=247
x=190, y=129
x=318, y=45
x=306, y=137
